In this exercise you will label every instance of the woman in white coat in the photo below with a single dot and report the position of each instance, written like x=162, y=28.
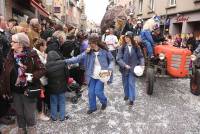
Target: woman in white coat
x=40, y=48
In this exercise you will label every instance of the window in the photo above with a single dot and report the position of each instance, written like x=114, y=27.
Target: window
x=57, y=10
x=130, y=3
x=140, y=6
x=172, y=2
x=151, y=5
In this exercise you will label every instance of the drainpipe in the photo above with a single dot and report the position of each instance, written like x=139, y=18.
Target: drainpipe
x=165, y=21
x=2, y=7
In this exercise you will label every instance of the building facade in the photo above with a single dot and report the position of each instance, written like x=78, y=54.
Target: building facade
x=21, y=10
x=179, y=16
x=127, y=4
x=69, y=11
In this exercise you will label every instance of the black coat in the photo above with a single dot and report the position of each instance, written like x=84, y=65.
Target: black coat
x=4, y=48
x=56, y=73
x=192, y=41
x=69, y=46
x=128, y=27
x=47, y=33
x=54, y=45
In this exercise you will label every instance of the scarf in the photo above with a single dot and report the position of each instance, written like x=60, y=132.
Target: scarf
x=21, y=78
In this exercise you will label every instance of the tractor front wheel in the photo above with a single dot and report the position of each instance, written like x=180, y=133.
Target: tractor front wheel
x=150, y=80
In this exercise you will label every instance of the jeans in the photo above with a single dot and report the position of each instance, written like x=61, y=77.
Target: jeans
x=96, y=88
x=57, y=104
x=129, y=85
x=149, y=47
x=114, y=53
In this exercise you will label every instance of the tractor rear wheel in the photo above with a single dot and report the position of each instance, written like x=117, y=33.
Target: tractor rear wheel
x=195, y=82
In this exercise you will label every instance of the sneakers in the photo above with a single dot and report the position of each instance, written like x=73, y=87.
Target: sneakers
x=103, y=107
x=125, y=98
x=52, y=119
x=91, y=111
x=66, y=118
x=43, y=117
x=131, y=103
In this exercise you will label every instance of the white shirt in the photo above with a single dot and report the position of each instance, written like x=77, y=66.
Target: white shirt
x=43, y=59
x=103, y=37
x=129, y=48
x=97, y=66
x=42, y=56
x=111, y=41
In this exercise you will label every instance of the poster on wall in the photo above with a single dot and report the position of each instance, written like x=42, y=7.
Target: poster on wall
x=49, y=2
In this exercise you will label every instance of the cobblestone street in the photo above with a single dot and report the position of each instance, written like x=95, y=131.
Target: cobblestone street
x=47, y=46
x=172, y=109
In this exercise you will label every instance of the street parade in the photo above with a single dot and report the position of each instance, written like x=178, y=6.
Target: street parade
x=99, y=67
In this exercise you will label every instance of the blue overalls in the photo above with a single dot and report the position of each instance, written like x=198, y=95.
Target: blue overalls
x=148, y=41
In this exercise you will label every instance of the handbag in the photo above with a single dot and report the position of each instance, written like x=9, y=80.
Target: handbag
x=32, y=90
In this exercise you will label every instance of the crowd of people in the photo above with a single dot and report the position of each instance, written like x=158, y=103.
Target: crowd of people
x=39, y=59
x=33, y=73
x=150, y=33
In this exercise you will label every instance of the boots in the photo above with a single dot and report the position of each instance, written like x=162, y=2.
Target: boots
x=20, y=131
x=31, y=130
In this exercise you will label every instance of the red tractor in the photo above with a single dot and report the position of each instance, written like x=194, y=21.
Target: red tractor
x=168, y=61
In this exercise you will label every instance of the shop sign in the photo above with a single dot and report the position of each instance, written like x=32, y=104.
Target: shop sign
x=182, y=18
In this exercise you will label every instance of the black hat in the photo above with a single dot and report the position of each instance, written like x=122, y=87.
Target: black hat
x=129, y=34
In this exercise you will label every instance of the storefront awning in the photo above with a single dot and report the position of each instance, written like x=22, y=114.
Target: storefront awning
x=40, y=9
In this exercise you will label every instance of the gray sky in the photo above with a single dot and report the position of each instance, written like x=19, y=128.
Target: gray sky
x=95, y=9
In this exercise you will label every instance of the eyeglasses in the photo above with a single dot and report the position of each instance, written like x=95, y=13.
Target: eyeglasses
x=14, y=41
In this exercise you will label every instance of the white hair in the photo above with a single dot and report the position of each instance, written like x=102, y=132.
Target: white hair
x=149, y=24
x=60, y=34
x=34, y=21
x=23, y=39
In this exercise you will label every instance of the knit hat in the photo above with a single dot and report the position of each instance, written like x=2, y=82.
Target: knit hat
x=129, y=34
